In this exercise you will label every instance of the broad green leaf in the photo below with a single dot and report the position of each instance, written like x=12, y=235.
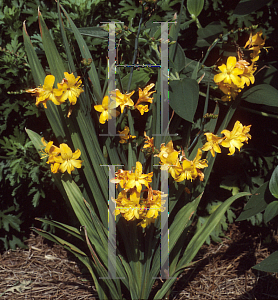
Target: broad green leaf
x=67, y=228
x=256, y=203
x=195, y=7
x=273, y=183
x=261, y=94
x=271, y=211
x=181, y=220
x=246, y=7
x=184, y=95
x=86, y=54
x=97, y=32
x=36, y=140
x=54, y=59
x=139, y=79
x=179, y=57
x=270, y=264
x=268, y=75
x=77, y=202
x=65, y=41
x=179, y=230
x=35, y=65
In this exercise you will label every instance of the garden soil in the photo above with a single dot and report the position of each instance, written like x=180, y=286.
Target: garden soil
x=221, y=271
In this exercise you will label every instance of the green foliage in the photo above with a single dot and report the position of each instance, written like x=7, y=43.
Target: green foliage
x=270, y=264
x=187, y=90
x=200, y=39
x=262, y=94
x=222, y=226
x=273, y=183
x=195, y=7
x=13, y=66
x=23, y=186
x=264, y=200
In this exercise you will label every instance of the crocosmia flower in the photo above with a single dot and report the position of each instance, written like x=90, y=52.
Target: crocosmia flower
x=137, y=179
x=69, y=88
x=46, y=92
x=235, y=138
x=107, y=110
x=122, y=100
x=229, y=73
x=144, y=96
x=68, y=161
x=212, y=143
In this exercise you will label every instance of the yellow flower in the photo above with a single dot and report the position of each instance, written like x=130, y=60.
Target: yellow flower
x=125, y=136
x=236, y=137
x=149, y=143
x=212, y=143
x=144, y=96
x=46, y=92
x=187, y=171
x=229, y=73
x=248, y=75
x=248, y=71
x=69, y=88
x=230, y=91
x=244, y=134
x=199, y=163
x=142, y=108
x=255, y=41
x=122, y=100
x=169, y=159
x=129, y=208
x=107, y=110
x=68, y=160
x=190, y=170
x=152, y=207
x=136, y=179
x=165, y=154
x=120, y=178
x=51, y=152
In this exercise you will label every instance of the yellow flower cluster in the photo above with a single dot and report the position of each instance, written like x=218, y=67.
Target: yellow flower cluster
x=61, y=158
x=255, y=44
x=238, y=73
x=232, y=139
x=69, y=88
x=107, y=108
x=181, y=168
x=184, y=168
x=130, y=202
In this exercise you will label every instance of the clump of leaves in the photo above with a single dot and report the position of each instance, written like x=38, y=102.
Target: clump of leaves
x=21, y=180
x=222, y=226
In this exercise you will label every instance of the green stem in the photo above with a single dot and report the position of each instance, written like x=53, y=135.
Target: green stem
x=135, y=49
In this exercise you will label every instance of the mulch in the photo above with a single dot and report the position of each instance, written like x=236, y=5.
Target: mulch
x=222, y=271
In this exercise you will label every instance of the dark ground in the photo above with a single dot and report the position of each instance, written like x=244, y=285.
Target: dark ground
x=223, y=271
